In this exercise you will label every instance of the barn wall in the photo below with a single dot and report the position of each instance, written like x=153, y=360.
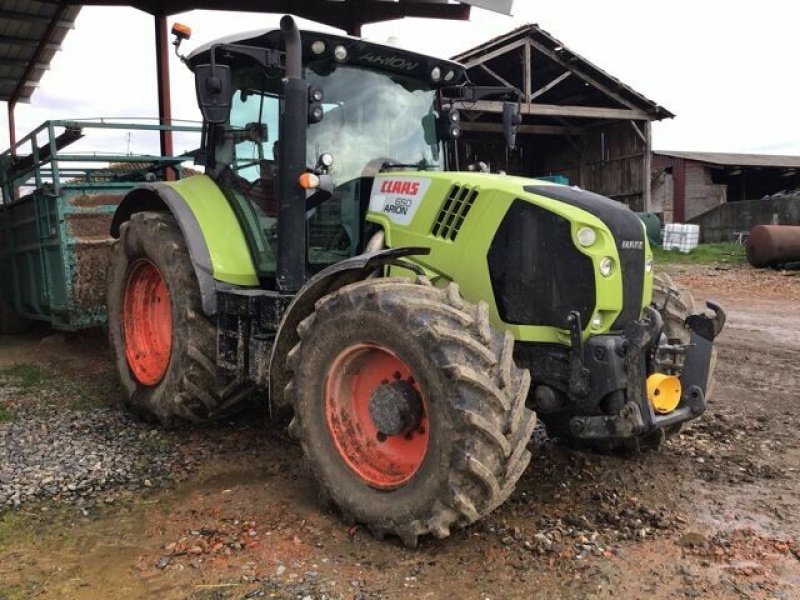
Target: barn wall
x=608, y=160
x=614, y=164
x=702, y=194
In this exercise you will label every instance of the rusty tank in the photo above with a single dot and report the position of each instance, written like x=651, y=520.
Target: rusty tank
x=773, y=245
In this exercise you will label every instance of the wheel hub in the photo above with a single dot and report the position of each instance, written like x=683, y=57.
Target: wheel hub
x=395, y=408
x=147, y=322
x=376, y=414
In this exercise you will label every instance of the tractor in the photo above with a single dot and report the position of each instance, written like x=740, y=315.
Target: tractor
x=407, y=319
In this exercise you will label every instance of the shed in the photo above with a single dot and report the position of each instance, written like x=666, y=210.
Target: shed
x=579, y=122
x=689, y=184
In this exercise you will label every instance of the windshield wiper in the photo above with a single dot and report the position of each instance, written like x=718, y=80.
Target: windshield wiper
x=422, y=165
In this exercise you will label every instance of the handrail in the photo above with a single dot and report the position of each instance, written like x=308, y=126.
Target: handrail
x=27, y=168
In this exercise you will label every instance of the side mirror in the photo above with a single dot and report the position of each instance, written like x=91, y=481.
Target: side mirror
x=213, y=86
x=511, y=121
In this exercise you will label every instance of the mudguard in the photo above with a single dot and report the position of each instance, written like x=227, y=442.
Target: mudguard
x=323, y=283
x=213, y=236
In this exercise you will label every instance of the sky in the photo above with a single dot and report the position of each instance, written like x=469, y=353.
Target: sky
x=726, y=68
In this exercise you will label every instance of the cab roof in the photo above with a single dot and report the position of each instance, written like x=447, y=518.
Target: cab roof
x=360, y=52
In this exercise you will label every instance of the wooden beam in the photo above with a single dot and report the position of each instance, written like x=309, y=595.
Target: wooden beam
x=639, y=132
x=648, y=167
x=529, y=129
x=496, y=76
x=555, y=110
x=494, y=53
x=549, y=86
x=587, y=78
x=527, y=66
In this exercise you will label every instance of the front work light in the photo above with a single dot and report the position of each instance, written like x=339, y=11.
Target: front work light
x=606, y=266
x=586, y=236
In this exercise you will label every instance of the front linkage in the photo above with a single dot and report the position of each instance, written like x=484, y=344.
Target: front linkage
x=627, y=361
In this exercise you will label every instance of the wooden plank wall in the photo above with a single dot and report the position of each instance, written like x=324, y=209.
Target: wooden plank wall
x=608, y=159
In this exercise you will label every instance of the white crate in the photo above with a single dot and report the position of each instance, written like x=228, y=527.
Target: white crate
x=682, y=237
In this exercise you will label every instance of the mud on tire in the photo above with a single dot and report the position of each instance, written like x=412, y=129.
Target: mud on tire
x=192, y=389
x=478, y=424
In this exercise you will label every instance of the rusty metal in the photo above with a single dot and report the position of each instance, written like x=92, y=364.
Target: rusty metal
x=773, y=245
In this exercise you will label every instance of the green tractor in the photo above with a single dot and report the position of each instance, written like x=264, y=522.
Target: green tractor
x=409, y=320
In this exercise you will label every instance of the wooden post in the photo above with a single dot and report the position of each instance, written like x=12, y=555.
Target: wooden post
x=528, y=73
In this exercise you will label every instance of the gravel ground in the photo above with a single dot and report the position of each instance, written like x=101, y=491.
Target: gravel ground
x=76, y=455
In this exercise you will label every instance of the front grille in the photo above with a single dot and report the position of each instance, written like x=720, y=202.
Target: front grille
x=453, y=212
x=538, y=275
x=628, y=233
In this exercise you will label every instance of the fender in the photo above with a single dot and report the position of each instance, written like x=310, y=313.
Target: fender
x=323, y=283
x=213, y=236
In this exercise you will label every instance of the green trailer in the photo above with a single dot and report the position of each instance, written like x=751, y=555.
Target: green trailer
x=57, y=203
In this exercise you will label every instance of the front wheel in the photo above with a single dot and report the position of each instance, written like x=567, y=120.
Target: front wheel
x=409, y=407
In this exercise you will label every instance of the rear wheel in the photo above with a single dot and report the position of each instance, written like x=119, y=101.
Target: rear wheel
x=163, y=346
x=409, y=407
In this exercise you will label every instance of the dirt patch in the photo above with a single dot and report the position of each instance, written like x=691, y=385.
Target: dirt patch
x=714, y=514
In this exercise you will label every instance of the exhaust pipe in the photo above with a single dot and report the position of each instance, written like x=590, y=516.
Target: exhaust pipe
x=291, y=259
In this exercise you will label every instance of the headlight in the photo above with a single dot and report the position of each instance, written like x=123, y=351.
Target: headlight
x=436, y=74
x=318, y=47
x=597, y=322
x=648, y=265
x=340, y=53
x=586, y=236
x=606, y=266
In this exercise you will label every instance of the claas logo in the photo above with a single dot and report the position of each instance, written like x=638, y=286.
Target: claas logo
x=400, y=187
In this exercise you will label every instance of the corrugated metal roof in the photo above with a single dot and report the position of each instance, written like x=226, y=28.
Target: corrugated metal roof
x=574, y=60
x=737, y=160
x=30, y=35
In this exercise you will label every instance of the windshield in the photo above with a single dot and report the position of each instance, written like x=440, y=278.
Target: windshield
x=372, y=117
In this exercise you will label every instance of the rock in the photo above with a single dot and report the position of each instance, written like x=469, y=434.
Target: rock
x=692, y=539
x=162, y=562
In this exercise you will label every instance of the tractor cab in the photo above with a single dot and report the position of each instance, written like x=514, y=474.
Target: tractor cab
x=368, y=108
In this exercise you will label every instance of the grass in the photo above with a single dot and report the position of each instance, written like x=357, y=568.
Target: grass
x=704, y=254
x=24, y=376
x=6, y=414
x=14, y=528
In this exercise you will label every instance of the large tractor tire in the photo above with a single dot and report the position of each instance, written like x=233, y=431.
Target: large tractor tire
x=163, y=345
x=409, y=407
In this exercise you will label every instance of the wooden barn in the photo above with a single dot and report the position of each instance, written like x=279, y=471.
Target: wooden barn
x=579, y=122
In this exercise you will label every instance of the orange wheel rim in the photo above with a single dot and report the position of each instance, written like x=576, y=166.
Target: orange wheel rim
x=362, y=377
x=147, y=322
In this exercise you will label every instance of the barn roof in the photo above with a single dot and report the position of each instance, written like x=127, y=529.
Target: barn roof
x=727, y=159
x=561, y=76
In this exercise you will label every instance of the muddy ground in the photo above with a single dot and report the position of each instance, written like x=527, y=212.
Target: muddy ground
x=715, y=513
